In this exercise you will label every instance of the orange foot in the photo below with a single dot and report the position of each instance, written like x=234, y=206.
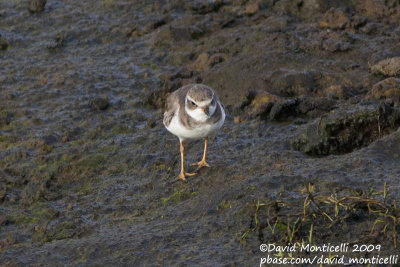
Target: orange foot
x=182, y=176
x=201, y=164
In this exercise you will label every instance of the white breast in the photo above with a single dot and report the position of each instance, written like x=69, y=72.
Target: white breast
x=176, y=128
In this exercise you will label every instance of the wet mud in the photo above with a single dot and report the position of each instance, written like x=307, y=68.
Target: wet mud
x=311, y=90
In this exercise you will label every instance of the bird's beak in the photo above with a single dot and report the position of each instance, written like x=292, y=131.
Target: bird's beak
x=206, y=111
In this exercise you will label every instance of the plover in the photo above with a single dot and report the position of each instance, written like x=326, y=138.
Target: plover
x=194, y=111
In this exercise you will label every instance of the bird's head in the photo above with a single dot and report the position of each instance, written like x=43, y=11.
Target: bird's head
x=200, y=102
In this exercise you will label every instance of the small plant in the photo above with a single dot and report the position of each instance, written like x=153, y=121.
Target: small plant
x=325, y=211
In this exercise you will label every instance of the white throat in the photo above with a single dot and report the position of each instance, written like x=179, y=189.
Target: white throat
x=197, y=114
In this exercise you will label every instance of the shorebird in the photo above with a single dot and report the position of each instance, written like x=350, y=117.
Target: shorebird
x=193, y=111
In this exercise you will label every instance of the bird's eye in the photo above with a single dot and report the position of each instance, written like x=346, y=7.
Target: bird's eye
x=193, y=104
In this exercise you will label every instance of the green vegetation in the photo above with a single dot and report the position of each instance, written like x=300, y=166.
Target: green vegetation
x=6, y=141
x=93, y=161
x=177, y=196
x=21, y=218
x=294, y=221
x=225, y=205
x=62, y=231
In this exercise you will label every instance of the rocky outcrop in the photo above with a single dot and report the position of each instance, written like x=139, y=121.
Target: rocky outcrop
x=342, y=132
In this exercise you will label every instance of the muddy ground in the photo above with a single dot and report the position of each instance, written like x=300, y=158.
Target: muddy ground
x=312, y=93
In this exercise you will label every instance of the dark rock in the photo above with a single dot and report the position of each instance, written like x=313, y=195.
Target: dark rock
x=50, y=139
x=204, y=7
x=260, y=103
x=3, y=43
x=343, y=132
x=388, y=90
x=271, y=107
x=358, y=21
x=289, y=83
x=305, y=107
x=388, y=67
x=185, y=32
x=335, y=92
x=370, y=28
x=36, y=5
x=99, y=103
x=3, y=220
x=283, y=109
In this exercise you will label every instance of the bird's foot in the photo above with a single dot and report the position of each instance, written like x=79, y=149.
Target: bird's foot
x=182, y=176
x=201, y=164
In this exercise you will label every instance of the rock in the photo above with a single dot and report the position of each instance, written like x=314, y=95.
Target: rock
x=388, y=90
x=277, y=22
x=373, y=8
x=342, y=131
x=370, y=28
x=271, y=107
x=283, y=110
x=201, y=63
x=314, y=106
x=305, y=107
x=334, y=92
x=261, y=103
x=204, y=7
x=205, y=62
x=3, y=43
x=388, y=67
x=216, y=59
x=99, y=103
x=334, y=19
x=334, y=45
x=36, y=6
x=185, y=32
x=358, y=21
x=3, y=220
x=168, y=83
x=251, y=8
x=289, y=83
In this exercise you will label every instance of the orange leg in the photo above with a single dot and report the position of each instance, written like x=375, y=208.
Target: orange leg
x=202, y=162
x=182, y=175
